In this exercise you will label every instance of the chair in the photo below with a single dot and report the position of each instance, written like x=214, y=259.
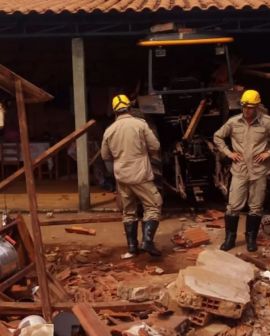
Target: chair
x=9, y=156
x=44, y=169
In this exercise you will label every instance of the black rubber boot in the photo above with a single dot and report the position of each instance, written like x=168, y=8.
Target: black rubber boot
x=252, y=228
x=231, y=226
x=149, y=229
x=131, y=229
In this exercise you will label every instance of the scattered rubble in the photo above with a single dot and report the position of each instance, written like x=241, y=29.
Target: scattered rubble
x=146, y=288
x=80, y=230
x=191, y=237
x=221, y=295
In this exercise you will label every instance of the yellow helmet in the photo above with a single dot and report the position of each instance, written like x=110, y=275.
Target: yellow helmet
x=120, y=102
x=250, y=98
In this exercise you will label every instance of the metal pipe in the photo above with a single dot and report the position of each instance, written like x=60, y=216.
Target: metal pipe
x=229, y=68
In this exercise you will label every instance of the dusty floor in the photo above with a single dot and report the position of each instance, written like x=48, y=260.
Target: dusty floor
x=60, y=195
x=111, y=235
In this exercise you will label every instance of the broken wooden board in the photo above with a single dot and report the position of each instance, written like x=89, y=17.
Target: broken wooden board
x=81, y=230
x=33, y=308
x=32, y=93
x=256, y=261
x=4, y=330
x=195, y=120
x=90, y=321
x=49, y=152
x=92, y=218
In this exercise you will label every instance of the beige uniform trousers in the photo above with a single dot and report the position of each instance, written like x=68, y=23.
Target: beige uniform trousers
x=242, y=190
x=147, y=194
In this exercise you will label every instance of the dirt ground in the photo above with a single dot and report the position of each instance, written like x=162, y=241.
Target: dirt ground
x=111, y=236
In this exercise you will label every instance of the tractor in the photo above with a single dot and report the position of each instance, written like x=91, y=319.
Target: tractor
x=189, y=95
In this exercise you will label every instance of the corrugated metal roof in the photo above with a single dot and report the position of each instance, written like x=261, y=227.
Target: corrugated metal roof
x=105, y=6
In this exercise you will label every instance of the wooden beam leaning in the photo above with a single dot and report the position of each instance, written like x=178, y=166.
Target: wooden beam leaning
x=4, y=330
x=257, y=262
x=31, y=191
x=195, y=120
x=90, y=321
x=28, y=308
x=257, y=73
x=49, y=152
x=16, y=277
x=93, y=218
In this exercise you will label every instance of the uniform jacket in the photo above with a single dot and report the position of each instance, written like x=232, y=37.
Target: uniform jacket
x=128, y=142
x=248, y=140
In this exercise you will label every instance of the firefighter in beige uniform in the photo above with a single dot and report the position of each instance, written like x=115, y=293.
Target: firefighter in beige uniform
x=250, y=137
x=129, y=142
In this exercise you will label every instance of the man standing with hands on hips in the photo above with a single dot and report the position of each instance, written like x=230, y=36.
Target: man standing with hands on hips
x=249, y=133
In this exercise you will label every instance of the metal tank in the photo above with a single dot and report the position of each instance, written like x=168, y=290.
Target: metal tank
x=9, y=261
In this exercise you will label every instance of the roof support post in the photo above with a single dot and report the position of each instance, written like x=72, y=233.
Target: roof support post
x=80, y=108
x=31, y=191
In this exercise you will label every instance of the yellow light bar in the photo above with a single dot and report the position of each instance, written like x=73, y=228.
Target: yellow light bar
x=185, y=41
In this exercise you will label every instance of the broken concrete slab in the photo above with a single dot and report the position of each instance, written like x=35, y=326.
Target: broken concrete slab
x=227, y=264
x=200, y=317
x=199, y=288
x=141, y=328
x=170, y=325
x=145, y=288
x=242, y=330
x=213, y=329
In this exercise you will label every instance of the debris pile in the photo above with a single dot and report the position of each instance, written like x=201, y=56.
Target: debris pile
x=261, y=304
x=191, y=237
x=88, y=280
x=211, y=298
x=207, y=288
x=212, y=219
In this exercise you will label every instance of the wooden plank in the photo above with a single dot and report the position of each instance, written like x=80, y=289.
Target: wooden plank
x=16, y=277
x=195, y=120
x=57, y=288
x=4, y=297
x=257, y=73
x=90, y=321
x=7, y=227
x=256, y=66
x=92, y=219
x=4, y=330
x=257, y=262
x=32, y=93
x=49, y=152
x=31, y=191
x=80, y=107
x=28, y=308
x=81, y=230
x=26, y=238
x=94, y=158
